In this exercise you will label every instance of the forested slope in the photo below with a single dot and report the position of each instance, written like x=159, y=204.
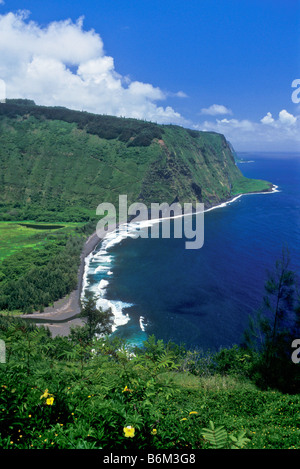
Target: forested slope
x=59, y=164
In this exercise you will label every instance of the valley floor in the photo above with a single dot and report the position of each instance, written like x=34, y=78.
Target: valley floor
x=64, y=313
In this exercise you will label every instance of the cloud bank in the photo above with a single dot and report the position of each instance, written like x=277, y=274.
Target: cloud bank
x=62, y=64
x=269, y=133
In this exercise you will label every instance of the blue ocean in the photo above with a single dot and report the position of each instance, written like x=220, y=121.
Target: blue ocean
x=203, y=297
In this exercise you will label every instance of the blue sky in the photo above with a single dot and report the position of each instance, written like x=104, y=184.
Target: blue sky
x=222, y=65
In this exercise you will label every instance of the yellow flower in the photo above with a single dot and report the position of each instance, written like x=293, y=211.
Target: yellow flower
x=154, y=431
x=126, y=389
x=46, y=394
x=49, y=397
x=129, y=431
x=50, y=400
x=183, y=419
x=193, y=412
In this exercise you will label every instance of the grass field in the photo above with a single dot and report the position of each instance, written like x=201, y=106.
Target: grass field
x=245, y=185
x=15, y=236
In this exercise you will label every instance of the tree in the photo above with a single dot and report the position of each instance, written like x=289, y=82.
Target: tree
x=280, y=289
x=272, y=330
x=98, y=321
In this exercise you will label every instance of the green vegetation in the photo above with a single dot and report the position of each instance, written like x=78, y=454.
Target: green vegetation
x=245, y=185
x=38, y=266
x=98, y=322
x=16, y=236
x=58, y=393
x=83, y=392
x=58, y=165
x=275, y=325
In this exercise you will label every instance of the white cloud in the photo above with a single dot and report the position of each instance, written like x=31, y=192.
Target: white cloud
x=284, y=119
x=244, y=124
x=181, y=94
x=62, y=64
x=216, y=109
x=269, y=134
x=141, y=90
x=267, y=119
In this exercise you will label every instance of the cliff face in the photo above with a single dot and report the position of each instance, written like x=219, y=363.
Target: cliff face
x=192, y=166
x=62, y=162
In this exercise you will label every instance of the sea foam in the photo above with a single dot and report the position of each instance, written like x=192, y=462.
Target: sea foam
x=99, y=263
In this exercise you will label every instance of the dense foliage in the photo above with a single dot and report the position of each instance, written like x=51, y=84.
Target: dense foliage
x=132, y=131
x=44, y=281
x=34, y=277
x=66, y=393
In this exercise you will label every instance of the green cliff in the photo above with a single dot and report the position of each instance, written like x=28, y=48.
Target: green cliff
x=59, y=164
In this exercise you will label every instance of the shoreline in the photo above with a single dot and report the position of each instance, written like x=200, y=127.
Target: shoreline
x=64, y=313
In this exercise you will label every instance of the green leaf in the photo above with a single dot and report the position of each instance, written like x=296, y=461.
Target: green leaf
x=216, y=437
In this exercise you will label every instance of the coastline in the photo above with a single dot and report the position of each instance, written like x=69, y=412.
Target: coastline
x=64, y=313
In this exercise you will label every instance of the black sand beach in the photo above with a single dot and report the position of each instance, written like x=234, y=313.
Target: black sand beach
x=64, y=313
